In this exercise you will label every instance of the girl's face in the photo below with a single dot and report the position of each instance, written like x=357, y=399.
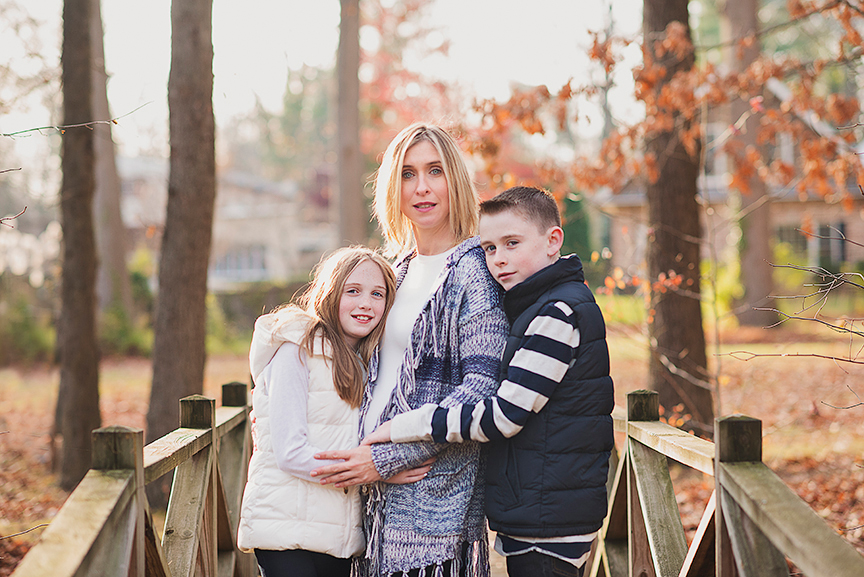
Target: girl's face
x=424, y=199
x=361, y=305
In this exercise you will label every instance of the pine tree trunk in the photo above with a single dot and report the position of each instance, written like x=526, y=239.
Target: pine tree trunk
x=353, y=212
x=180, y=326
x=677, y=366
x=78, y=400
x=113, y=288
x=742, y=21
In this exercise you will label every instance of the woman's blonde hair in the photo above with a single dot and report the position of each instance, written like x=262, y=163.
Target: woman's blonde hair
x=321, y=302
x=396, y=227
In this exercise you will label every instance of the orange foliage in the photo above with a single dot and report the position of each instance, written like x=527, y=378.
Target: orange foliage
x=823, y=127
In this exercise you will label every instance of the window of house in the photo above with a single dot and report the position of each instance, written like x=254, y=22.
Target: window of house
x=794, y=238
x=242, y=263
x=831, y=245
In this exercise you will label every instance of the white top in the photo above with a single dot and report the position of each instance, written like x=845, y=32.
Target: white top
x=288, y=405
x=416, y=288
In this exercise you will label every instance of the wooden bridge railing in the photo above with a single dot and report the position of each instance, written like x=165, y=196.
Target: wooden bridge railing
x=751, y=525
x=105, y=528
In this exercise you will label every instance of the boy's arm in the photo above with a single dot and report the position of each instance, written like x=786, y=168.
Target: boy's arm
x=539, y=364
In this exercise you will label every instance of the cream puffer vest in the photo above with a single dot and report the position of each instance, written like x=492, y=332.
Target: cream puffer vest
x=281, y=511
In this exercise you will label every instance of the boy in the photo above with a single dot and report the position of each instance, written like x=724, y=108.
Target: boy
x=546, y=486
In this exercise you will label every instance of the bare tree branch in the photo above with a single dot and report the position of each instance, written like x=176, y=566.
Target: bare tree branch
x=849, y=406
x=749, y=356
x=61, y=129
x=5, y=218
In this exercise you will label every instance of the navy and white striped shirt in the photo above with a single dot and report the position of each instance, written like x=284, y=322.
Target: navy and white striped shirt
x=539, y=364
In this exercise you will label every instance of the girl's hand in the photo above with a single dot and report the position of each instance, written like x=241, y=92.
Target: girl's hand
x=356, y=467
x=379, y=435
x=411, y=475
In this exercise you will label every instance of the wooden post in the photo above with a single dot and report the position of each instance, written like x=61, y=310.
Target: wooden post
x=739, y=438
x=643, y=405
x=234, y=394
x=736, y=438
x=197, y=412
x=116, y=448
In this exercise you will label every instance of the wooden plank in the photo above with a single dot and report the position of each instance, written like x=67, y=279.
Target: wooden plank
x=207, y=538
x=639, y=549
x=225, y=564
x=676, y=444
x=155, y=563
x=185, y=512
x=225, y=529
x=615, y=523
x=724, y=560
x=166, y=453
x=665, y=531
x=754, y=554
x=700, y=556
x=233, y=455
x=788, y=522
x=245, y=565
x=229, y=418
x=619, y=419
x=100, y=505
x=617, y=558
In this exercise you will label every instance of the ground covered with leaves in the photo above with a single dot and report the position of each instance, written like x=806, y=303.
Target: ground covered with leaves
x=813, y=427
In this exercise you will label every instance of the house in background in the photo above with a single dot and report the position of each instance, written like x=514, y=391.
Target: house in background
x=826, y=218
x=263, y=231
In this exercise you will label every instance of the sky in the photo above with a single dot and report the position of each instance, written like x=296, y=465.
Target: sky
x=494, y=43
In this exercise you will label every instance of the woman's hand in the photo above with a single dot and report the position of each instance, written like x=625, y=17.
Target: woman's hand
x=356, y=467
x=411, y=475
x=379, y=435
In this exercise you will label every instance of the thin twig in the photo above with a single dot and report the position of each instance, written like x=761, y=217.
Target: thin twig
x=67, y=126
x=5, y=218
x=748, y=356
x=848, y=407
x=23, y=532
x=9, y=170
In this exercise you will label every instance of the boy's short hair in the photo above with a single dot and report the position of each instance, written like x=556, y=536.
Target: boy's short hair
x=534, y=204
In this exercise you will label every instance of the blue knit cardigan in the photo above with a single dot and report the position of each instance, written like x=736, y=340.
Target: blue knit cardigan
x=454, y=357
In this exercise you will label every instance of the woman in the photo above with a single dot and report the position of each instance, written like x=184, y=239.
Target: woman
x=442, y=343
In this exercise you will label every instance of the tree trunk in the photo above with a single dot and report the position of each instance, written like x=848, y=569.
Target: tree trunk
x=353, y=212
x=742, y=21
x=78, y=400
x=113, y=289
x=677, y=366
x=180, y=327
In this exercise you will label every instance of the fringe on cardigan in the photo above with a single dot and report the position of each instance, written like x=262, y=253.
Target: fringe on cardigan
x=474, y=556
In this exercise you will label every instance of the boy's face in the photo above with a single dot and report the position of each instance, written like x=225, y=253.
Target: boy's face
x=515, y=247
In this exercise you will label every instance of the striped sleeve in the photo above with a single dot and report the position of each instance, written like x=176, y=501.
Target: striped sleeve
x=539, y=364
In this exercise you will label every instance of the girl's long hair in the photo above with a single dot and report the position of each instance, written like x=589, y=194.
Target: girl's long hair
x=320, y=301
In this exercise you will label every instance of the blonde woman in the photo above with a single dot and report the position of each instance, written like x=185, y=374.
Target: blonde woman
x=442, y=344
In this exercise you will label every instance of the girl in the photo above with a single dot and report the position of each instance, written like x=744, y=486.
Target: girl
x=308, y=364
x=443, y=342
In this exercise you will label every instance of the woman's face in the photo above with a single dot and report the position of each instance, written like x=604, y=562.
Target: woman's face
x=425, y=198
